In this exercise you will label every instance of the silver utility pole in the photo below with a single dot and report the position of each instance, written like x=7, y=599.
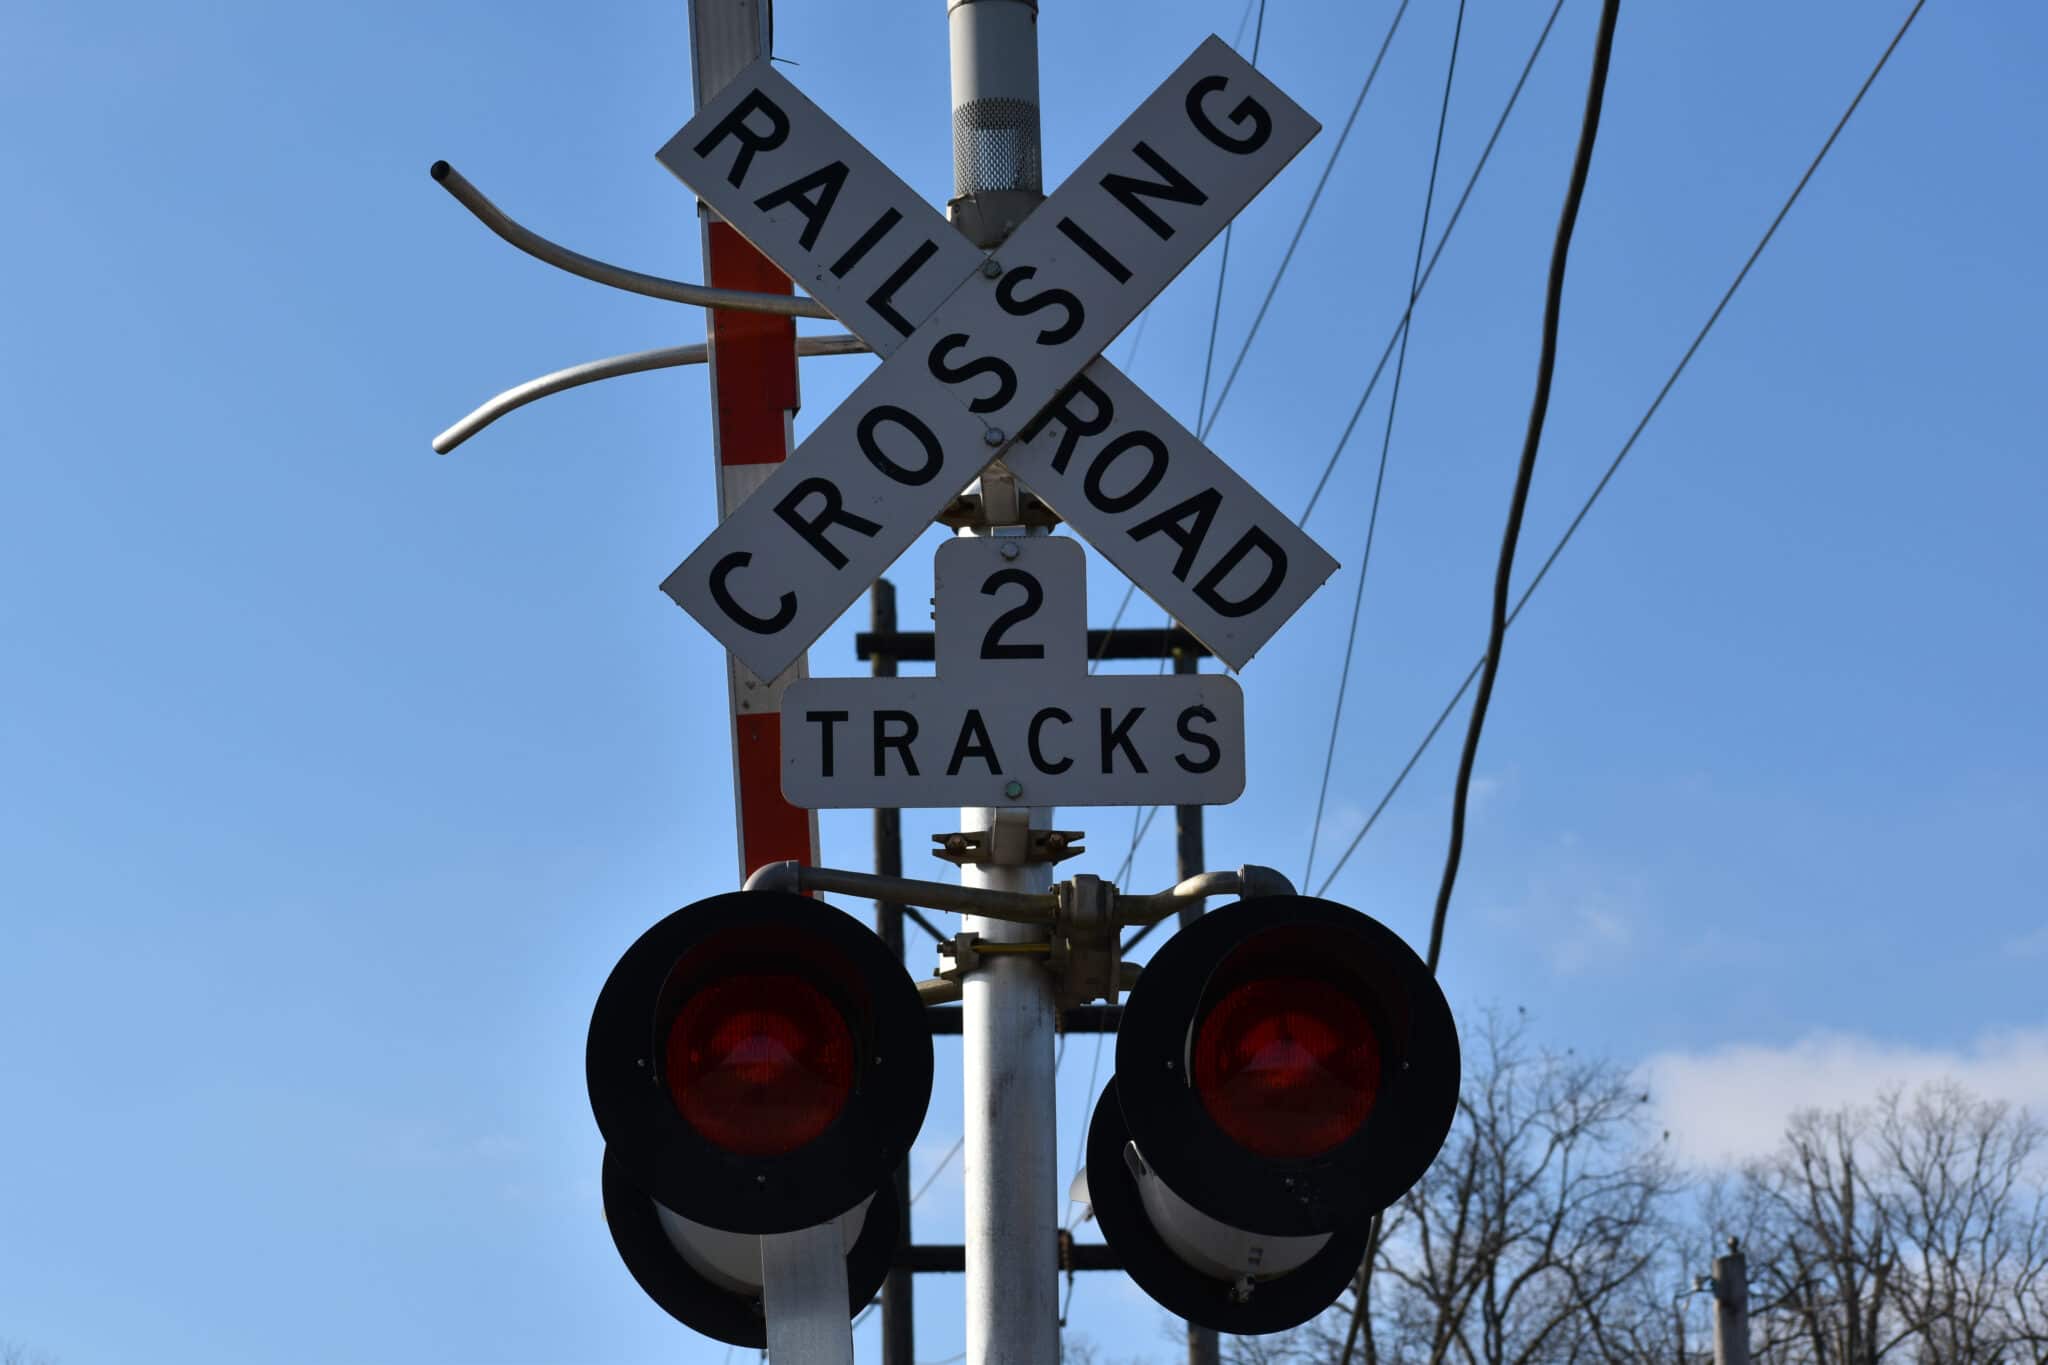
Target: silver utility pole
x=1731, y=1307
x=1007, y=1001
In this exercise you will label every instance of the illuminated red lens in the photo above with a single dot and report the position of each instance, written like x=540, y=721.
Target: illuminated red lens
x=760, y=1065
x=1288, y=1067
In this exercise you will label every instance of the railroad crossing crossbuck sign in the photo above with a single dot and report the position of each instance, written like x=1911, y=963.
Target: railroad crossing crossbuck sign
x=990, y=355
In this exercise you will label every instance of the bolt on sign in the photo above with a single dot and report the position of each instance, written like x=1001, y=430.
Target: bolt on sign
x=1013, y=717
x=992, y=355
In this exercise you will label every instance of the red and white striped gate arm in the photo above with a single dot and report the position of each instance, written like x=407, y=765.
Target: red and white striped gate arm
x=754, y=401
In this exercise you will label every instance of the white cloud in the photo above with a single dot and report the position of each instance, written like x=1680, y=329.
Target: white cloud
x=1487, y=788
x=1581, y=914
x=2034, y=944
x=1730, y=1103
x=1591, y=935
x=1340, y=823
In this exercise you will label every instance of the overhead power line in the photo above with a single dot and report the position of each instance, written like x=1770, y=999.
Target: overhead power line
x=1379, y=482
x=1525, y=469
x=1308, y=211
x=1443, y=240
x=1634, y=435
x=1215, y=318
x=1450, y=225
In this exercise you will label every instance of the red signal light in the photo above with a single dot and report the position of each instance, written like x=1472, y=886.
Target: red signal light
x=1287, y=1066
x=760, y=1064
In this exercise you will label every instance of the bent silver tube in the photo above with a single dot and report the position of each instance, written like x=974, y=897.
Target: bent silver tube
x=611, y=367
x=1021, y=907
x=618, y=277
x=1250, y=880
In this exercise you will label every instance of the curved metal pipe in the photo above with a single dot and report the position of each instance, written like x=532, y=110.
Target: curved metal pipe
x=1248, y=881
x=1023, y=907
x=611, y=367
x=618, y=277
x=937, y=990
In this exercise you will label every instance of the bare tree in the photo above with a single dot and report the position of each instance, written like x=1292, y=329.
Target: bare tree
x=1526, y=1241
x=1552, y=1231
x=1912, y=1230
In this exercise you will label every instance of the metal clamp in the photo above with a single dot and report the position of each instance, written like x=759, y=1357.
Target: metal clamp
x=1087, y=954
x=968, y=509
x=1044, y=846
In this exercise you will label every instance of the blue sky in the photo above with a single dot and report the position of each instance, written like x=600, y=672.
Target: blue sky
x=338, y=773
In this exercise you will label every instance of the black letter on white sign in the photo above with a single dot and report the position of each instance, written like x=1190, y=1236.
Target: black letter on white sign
x=1276, y=570
x=825, y=720
x=872, y=419
x=899, y=742
x=992, y=646
x=1141, y=487
x=1171, y=524
x=1097, y=252
x=833, y=513
x=875, y=233
x=1073, y=426
x=1173, y=187
x=1248, y=109
x=1007, y=300
x=785, y=609
x=1194, y=736
x=1006, y=378
x=1119, y=737
x=885, y=293
x=826, y=182
x=972, y=728
x=1038, y=758
x=734, y=125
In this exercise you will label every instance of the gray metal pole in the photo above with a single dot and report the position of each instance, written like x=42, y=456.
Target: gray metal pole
x=997, y=178
x=1008, y=1124
x=898, y=1313
x=1203, y=1347
x=1010, y=1162
x=1731, y=1307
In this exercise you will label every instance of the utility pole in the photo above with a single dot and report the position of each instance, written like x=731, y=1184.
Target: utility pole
x=1731, y=1307
x=1203, y=1348
x=752, y=362
x=1007, y=1008
x=898, y=1313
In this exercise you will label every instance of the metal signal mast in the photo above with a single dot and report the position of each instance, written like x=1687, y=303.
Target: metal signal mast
x=758, y=1062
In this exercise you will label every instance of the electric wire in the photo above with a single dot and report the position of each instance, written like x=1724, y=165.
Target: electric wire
x=1215, y=316
x=1081, y=1147
x=1223, y=265
x=1287, y=256
x=1634, y=435
x=1450, y=225
x=944, y=1161
x=1525, y=472
x=1589, y=129
x=1138, y=828
x=1138, y=831
x=1387, y=351
x=1372, y=519
x=936, y=1171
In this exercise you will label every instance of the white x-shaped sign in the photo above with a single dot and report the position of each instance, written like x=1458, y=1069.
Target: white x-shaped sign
x=990, y=355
